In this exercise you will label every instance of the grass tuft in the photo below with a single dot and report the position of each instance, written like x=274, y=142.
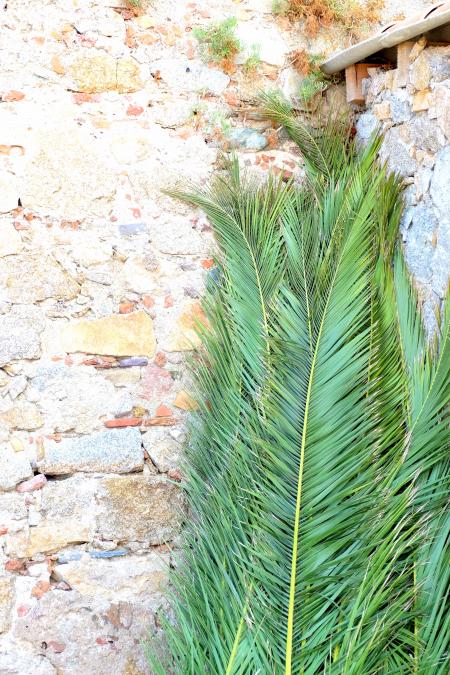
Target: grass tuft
x=353, y=15
x=219, y=42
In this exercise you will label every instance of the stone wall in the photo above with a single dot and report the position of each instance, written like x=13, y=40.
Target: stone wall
x=414, y=114
x=100, y=280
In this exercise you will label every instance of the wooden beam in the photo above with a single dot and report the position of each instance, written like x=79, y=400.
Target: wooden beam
x=354, y=75
x=403, y=63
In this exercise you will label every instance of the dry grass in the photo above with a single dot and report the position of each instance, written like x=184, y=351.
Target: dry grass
x=351, y=14
x=219, y=43
x=137, y=6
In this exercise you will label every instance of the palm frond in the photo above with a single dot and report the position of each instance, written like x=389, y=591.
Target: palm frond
x=317, y=468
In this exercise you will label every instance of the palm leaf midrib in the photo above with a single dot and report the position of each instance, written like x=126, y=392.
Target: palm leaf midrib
x=304, y=433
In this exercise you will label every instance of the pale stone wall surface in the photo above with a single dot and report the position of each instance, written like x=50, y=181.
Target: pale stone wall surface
x=414, y=116
x=100, y=280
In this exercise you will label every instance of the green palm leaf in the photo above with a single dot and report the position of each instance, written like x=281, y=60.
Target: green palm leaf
x=317, y=468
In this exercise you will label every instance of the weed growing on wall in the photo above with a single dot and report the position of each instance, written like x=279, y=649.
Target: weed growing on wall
x=353, y=15
x=315, y=80
x=253, y=61
x=219, y=42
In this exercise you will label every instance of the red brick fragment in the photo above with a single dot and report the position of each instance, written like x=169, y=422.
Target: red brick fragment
x=123, y=422
x=168, y=301
x=207, y=264
x=14, y=565
x=3, y=530
x=40, y=589
x=175, y=474
x=80, y=97
x=126, y=307
x=90, y=362
x=23, y=610
x=135, y=110
x=57, y=647
x=148, y=301
x=163, y=411
x=13, y=95
x=160, y=359
x=35, y=483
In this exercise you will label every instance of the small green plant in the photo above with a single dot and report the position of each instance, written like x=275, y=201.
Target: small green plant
x=220, y=122
x=138, y=7
x=308, y=65
x=279, y=7
x=252, y=63
x=219, y=41
x=315, y=81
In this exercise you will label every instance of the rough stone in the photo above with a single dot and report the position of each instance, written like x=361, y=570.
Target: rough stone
x=382, y=111
x=75, y=399
x=418, y=47
x=6, y=601
x=272, y=48
x=116, y=580
x=420, y=72
x=186, y=336
x=424, y=134
x=138, y=278
x=192, y=76
x=69, y=176
x=132, y=229
x=291, y=83
x=421, y=100
x=9, y=192
x=109, y=451
x=400, y=107
x=87, y=249
x=14, y=467
x=90, y=631
x=35, y=277
x=138, y=508
x=124, y=377
x=442, y=104
x=172, y=113
x=10, y=239
x=439, y=62
x=178, y=236
x=23, y=415
x=13, y=510
x=397, y=153
x=104, y=22
x=419, y=250
x=185, y=401
x=366, y=125
x=71, y=498
x=129, y=143
x=163, y=450
x=120, y=335
x=17, y=660
x=105, y=73
x=439, y=189
x=51, y=536
x=247, y=139
x=422, y=181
